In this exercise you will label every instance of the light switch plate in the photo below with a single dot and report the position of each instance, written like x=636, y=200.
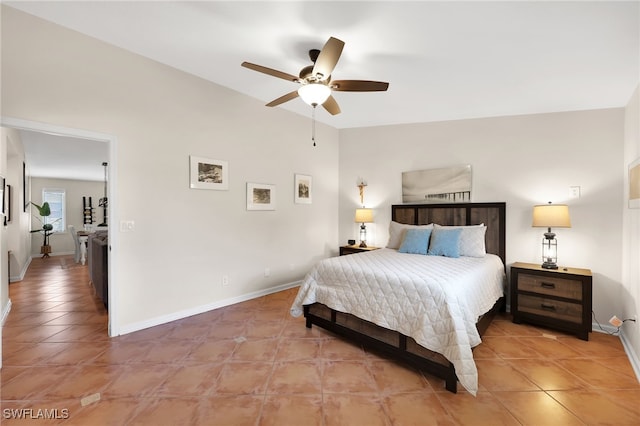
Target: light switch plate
x=574, y=192
x=127, y=225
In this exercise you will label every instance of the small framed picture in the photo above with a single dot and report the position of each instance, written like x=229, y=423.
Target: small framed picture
x=2, y=195
x=25, y=196
x=9, y=206
x=302, y=189
x=261, y=196
x=207, y=173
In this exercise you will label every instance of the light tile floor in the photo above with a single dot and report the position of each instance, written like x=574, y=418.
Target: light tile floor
x=252, y=364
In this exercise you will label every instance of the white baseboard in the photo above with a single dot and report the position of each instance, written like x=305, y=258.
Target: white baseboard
x=203, y=308
x=52, y=254
x=631, y=353
x=37, y=256
x=603, y=328
x=22, y=273
x=3, y=317
x=5, y=313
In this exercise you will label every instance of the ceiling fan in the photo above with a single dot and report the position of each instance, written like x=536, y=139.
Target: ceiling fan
x=315, y=80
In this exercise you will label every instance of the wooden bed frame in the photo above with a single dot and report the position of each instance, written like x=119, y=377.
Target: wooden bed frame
x=395, y=344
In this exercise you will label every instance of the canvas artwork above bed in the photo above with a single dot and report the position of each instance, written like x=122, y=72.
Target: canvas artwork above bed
x=442, y=270
x=445, y=185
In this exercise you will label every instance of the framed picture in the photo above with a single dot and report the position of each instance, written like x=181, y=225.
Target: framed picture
x=634, y=184
x=25, y=198
x=9, y=194
x=2, y=195
x=447, y=185
x=261, y=196
x=207, y=173
x=302, y=189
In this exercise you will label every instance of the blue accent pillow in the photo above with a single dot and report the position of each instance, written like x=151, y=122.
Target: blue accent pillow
x=445, y=242
x=415, y=241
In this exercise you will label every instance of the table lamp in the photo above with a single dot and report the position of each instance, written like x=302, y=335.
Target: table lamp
x=548, y=216
x=363, y=216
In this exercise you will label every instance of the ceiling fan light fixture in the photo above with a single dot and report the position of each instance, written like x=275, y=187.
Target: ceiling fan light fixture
x=316, y=84
x=314, y=94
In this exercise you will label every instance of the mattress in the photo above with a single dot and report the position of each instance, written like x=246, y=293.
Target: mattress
x=434, y=299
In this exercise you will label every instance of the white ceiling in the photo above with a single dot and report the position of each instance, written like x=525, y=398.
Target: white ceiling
x=444, y=60
x=62, y=157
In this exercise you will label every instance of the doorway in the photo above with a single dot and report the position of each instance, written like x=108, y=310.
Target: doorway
x=111, y=177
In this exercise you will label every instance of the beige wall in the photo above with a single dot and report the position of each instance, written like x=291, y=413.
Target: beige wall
x=629, y=303
x=14, y=236
x=17, y=231
x=4, y=277
x=184, y=240
x=522, y=160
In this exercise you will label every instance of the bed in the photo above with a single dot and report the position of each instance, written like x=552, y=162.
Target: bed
x=386, y=300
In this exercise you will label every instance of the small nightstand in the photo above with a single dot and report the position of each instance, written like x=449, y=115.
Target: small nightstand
x=557, y=298
x=355, y=249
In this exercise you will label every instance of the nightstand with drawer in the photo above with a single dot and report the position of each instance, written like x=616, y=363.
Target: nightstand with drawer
x=556, y=298
x=344, y=250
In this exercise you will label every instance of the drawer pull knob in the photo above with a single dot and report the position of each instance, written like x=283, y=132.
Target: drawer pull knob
x=547, y=285
x=547, y=307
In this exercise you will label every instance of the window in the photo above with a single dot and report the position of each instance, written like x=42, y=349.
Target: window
x=55, y=198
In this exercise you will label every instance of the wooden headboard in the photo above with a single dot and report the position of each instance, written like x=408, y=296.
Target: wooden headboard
x=493, y=215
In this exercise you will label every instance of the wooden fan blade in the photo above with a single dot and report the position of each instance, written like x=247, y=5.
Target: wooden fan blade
x=328, y=58
x=359, y=86
x=331, y=106
x=283, y=99
x=270, y=71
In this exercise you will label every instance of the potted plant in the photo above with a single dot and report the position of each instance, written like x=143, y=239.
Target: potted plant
x=47, y=228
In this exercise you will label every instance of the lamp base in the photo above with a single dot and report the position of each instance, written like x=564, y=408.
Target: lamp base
x=363, y=244
x=547, y=265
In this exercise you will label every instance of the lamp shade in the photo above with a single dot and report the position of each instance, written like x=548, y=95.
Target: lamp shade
x=551, y=216
x=314, y=93
x=364, y=216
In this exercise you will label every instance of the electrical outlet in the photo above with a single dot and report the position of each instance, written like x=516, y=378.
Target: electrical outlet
x=615, y=321
x=267, y=272
x=225, y=280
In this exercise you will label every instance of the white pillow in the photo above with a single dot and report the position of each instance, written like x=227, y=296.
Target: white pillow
x=471, y=240
x=397, y=230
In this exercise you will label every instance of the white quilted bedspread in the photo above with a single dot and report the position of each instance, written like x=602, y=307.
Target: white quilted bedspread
x=436, y=300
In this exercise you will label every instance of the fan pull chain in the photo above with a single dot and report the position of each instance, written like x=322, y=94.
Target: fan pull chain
x=313, y=125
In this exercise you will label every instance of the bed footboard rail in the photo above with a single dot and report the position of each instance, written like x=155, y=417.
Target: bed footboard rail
x=392, y=343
